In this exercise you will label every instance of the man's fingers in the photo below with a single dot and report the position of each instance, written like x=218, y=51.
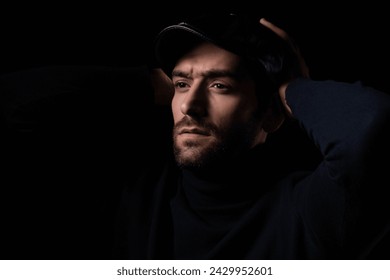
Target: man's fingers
x=283, y=34
x=280, y=32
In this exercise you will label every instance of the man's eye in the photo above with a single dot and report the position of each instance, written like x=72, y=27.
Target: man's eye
x=219, y=86
x=180, y=84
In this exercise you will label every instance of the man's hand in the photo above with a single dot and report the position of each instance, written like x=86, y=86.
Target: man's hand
x=163, y=87
x=302, y=67
x=283, y=34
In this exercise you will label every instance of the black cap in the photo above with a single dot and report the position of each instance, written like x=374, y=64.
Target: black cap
x=240, y=34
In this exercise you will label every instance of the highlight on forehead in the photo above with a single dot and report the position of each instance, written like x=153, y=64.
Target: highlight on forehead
x=222, y=62
x=238, y=73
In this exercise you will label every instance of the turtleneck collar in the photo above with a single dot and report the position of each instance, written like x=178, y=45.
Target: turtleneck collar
x=208, y=206
x=231, y=190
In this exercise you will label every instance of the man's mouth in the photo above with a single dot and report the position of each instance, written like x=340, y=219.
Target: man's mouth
x=194, y=130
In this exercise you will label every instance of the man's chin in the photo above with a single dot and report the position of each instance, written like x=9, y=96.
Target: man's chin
x=190, y=156
x=197, y=156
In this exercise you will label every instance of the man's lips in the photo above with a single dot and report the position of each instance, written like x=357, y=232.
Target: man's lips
x=194, y=130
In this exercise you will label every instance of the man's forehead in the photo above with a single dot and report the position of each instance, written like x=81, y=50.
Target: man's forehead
x=207, y=49
x=207, y=59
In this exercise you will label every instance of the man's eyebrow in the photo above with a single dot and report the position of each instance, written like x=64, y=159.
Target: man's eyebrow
x=210, y=74
x=181, y=74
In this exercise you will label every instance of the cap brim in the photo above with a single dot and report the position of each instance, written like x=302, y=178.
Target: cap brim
x=173, y=41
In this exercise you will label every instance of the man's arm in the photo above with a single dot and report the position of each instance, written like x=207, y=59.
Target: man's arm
x=71, y=135
x=345, y=198
x=51, y=96
x=344, y=201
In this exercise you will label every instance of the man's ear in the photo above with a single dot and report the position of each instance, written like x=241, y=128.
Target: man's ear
x=274, y=115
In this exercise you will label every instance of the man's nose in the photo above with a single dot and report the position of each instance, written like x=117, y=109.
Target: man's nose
x=195, y=102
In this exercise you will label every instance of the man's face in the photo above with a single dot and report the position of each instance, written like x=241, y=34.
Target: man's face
x=214, y=107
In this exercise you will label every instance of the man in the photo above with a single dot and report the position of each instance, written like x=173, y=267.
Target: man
x=262, y=162
x=228, y=194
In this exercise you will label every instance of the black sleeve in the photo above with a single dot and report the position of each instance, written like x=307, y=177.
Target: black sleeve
x=345, y=199
x=69, y=136
x=48, y=97
x=76, y=112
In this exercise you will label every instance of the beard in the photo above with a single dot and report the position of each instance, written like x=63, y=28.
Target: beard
x=219, y=149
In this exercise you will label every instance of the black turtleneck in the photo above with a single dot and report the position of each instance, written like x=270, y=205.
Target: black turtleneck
x=207, y=207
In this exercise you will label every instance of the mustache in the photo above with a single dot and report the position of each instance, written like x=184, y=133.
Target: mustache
x=190, y=122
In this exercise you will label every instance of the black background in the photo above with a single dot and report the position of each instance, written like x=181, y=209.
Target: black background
x=339, y=41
